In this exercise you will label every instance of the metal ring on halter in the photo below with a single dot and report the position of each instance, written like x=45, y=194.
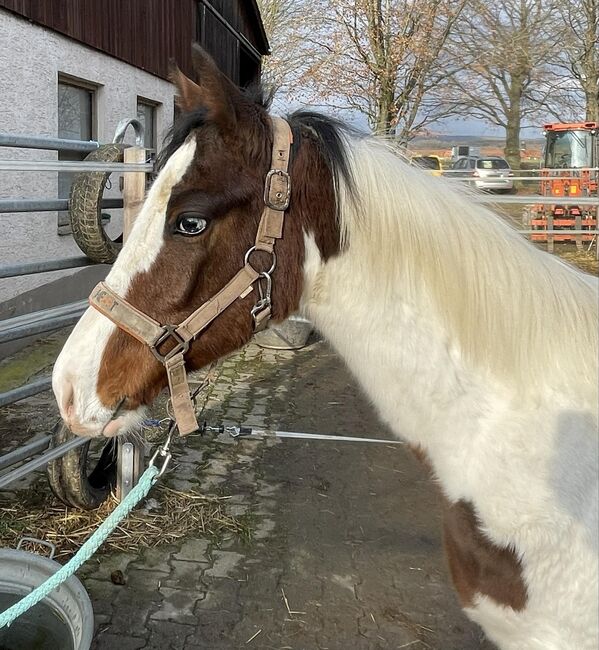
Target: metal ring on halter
x=271, y=253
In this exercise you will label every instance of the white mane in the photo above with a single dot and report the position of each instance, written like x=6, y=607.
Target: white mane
x=521, y=313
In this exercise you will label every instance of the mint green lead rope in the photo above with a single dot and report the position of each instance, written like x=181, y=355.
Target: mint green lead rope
x=142, y=488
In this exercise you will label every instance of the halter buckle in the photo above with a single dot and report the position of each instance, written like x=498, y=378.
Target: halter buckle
x=277, y=190
x=169, y=331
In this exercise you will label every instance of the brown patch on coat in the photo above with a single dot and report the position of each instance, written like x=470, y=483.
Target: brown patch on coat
x=225, y=184
x=476, y=564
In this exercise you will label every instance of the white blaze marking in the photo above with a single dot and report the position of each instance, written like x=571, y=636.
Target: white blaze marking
x=78, y=364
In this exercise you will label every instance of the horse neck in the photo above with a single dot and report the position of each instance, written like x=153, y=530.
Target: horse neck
x=399, y=355
x=441, y=309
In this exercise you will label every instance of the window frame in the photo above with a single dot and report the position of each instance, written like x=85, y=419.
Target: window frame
x=76, y=82
x=63, y=221
x=155, y=106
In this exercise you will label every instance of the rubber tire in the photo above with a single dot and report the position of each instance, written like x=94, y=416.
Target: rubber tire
x=69, y=478
x=85, y=212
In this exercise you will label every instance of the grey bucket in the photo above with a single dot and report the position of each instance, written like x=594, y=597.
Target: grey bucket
x=65, y=616
x=291, y=334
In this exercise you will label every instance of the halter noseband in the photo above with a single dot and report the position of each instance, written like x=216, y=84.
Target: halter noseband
x=277, y=192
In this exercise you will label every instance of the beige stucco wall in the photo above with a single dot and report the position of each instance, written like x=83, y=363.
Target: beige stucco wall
x=31, y=58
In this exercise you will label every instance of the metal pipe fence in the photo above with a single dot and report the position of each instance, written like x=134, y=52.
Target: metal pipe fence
x=71, y=166
x=48, y=205
x=49, y=144
x=51, y=319
x=43, y=266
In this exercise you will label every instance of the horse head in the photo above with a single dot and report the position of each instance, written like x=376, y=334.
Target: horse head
x=191, y=237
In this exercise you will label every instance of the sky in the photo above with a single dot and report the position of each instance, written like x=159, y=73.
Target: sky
x=450, y=126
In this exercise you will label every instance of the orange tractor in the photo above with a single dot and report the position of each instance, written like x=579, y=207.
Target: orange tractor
x=570, y=170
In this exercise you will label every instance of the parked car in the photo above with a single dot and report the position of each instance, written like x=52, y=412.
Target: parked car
x=431, y=163
x=489, y=173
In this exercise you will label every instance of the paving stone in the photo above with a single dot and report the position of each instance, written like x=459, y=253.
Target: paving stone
x=184, y=485
x=145, y=580
x=220, y=594
x=185, y=574
x=154, y=558
x=210, y=483
x=192, y=455
x=133, y=620
x=185, y=471
x=165, y=635
x=256, y=421
x=107, y=641
x=224, y=563
x=102, y=593
x=194, y=550
x=213, y=631
x=178, y=605
x=101, y=568
x=101, y=623
x=263, y=529
x=218, y=467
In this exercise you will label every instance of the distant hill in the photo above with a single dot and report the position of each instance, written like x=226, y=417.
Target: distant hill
x=440, y=144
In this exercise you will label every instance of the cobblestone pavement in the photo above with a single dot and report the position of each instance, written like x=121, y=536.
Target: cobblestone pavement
x=345, y=551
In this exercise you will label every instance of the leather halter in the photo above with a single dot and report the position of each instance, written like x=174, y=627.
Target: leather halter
x=277, y=192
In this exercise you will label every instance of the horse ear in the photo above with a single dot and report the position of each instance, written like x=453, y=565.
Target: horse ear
x=214, y=92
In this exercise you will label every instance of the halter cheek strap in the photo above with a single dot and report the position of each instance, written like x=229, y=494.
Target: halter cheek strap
x=277, y=192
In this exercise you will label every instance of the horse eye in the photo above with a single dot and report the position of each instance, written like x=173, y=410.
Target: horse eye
x=190, y=224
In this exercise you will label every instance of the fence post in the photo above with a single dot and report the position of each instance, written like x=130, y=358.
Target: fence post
x=549, y=227
x=578, y=226
x=134, y=188
x=131, y=455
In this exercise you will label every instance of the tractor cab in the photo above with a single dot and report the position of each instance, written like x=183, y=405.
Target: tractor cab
x=571, y=146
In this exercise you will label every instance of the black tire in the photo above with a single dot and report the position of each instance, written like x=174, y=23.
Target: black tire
x=69, y=478
x=84, y=208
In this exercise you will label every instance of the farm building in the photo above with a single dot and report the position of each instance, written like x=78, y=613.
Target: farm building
x=73, y=69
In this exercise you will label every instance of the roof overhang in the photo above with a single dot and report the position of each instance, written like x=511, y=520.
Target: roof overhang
x=263, y=38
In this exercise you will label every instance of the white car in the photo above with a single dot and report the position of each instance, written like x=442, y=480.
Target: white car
x=489, y=173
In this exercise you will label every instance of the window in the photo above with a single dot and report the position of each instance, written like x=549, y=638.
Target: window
x=146, y=114
x=492, y=163
x=76, y=115
x=249, y=67
x=569, y=149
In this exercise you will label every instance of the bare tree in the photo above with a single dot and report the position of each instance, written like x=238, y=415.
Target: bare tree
x=506, y=47
x=379, y=57
x=286, y=29
x=579, y=54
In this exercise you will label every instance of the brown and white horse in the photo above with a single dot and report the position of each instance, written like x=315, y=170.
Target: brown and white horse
x=478, y=349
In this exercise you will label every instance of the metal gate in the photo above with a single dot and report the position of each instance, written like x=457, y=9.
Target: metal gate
x=68, y=475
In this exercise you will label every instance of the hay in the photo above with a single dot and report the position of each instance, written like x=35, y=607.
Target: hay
x=166, y=517
x=585, y=260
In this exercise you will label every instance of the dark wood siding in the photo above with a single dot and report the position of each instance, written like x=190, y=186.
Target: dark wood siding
x=150, y=33
x=218, y=40
x=225, y=29
x=241, y=16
